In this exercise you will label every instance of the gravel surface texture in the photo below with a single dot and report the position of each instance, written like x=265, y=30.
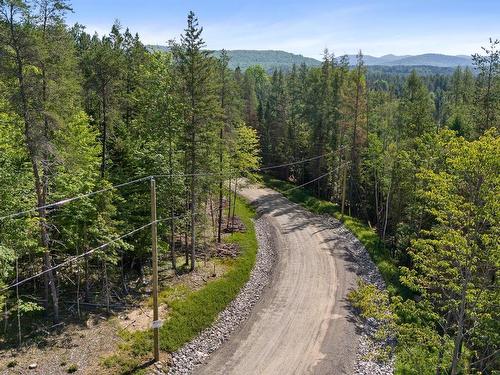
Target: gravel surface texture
x=368, y=271
x=195, y=352
x=302, y=322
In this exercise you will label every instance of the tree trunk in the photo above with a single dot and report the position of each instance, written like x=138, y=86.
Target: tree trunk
x=229, y=204
x=106, y=286
x=5, y=318
x=32, y=149
x=234, y=201
x=47, y=260
x=387, y=210
x=104, y=132
x=344, y=178
x=354, y=156
x=457, y=347
x=186, y=245
x=212, y=217
x=442, y=343
x=224, y=61
x=19, y=334
x=377, y=210
x=193, y=200
x=77, y=286
x=221, y=182
x=172, y=205
x=87, y=281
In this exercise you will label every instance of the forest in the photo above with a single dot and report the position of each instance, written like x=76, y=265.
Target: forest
x=416, y=158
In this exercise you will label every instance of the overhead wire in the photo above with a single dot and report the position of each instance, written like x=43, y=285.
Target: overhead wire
x=77, y=257
x=317, y=178
x=292, y=163
x=300, y=161
x=87, y=195
x=103, y=246
x=69, y=200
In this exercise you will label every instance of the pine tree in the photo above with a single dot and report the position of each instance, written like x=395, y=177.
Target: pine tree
x=359, y=113
x=44, y=93
x=488, y=87
x=416, y=108
x=202, y=110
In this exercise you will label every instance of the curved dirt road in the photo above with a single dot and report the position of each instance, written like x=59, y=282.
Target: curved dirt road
x=302, y=323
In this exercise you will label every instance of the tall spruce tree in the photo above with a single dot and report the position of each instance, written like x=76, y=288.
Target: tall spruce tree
x=202, y=111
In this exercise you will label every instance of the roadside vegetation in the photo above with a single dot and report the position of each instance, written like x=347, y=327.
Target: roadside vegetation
x=452, y=266
x=87, y=121
x=191, y=311
x=379, y=253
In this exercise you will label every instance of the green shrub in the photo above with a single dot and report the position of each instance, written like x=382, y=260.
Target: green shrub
x=199, y=309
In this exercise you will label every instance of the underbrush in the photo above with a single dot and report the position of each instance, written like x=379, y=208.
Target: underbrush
x=190, y=312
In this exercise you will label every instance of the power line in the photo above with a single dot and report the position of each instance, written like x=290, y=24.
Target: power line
x=193, y=174
x=103, y=246
x=292, y=163
x=69, y=200
x=77, y=257
x=300, y=161
x=317, y=178
x=82, y=196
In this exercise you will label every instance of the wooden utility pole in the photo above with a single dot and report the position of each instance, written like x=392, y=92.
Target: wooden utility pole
x=154, y=239
x=344, y=177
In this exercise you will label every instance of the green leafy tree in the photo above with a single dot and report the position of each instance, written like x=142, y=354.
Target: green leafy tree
x=43, y=92
x=455, y=261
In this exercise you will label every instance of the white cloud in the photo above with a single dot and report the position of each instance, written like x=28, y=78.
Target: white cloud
x=343, y=30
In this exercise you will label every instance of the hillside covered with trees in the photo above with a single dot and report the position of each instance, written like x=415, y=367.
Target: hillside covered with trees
x=270, y=60
x=416, y=158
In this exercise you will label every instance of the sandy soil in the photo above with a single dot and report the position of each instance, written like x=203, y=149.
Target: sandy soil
x=86, y=344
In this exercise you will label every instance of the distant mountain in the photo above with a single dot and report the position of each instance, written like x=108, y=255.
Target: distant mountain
x=375, y=71
x=434, y=59
x=270, y=59
x=429, y=59
x=156, y=47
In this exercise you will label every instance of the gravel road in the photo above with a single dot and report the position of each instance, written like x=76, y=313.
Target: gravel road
x=302, y=324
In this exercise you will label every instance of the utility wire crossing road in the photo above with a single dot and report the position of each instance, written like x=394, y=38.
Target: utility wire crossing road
x=302, y=324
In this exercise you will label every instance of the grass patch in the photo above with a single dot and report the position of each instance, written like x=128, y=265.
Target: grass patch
x=190, y=312
x=199, y=309
x=366, y=235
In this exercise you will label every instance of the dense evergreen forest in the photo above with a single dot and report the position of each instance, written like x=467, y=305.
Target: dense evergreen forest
x=417, y=158
x=83, y=113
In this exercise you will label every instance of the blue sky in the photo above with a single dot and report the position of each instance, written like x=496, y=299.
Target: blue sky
x=307, y=27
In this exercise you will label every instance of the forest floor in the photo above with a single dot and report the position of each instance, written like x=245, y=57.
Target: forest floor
x=82, y=347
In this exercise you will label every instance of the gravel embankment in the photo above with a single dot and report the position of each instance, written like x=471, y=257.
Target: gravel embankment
x=193, y=353
x=196, y=352
x=368, y=271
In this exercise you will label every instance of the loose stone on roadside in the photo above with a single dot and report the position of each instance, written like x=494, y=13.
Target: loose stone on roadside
x=195, y=352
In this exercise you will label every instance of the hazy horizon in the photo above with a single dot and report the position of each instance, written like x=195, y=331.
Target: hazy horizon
x=319, y=57
x=377, y=28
